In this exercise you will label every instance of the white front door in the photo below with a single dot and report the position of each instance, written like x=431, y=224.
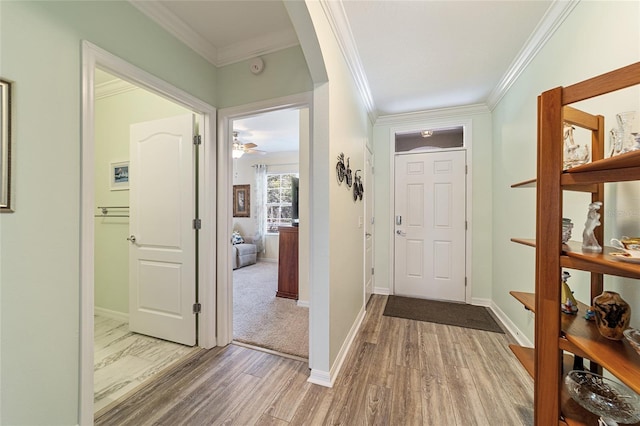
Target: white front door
x=368, y=226
x=430, y=193
x=162, y=254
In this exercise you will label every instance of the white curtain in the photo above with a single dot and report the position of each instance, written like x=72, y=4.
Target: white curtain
x=260, y=207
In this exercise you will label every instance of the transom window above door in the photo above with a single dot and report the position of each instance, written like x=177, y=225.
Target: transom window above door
x=429, y=139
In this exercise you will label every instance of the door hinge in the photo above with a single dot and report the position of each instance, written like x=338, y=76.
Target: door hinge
x=465, y=281
x=197, y=308
x=197, y=224
x=373, y=271
x=466, y=170
x=197, y=140
x=466, y=225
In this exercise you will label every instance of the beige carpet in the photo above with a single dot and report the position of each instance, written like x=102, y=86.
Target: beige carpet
x=262, y=319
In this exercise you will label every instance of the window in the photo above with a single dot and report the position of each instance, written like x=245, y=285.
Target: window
x=279, y=198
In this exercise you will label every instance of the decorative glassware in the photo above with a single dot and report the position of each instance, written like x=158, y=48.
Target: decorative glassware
x=574, y=154
x=589, y=241
x=611, y=400
x=567, y=226
x=624, y=137
x=612, y=315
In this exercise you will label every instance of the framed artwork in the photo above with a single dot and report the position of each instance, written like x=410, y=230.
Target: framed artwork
x=241, y=200
x=5, y=146
x=119, y=176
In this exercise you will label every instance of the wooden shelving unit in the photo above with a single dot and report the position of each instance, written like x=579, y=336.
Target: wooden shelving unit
x=557, y=332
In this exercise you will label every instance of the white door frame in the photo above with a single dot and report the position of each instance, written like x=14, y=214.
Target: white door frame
x=225, y=214
x=466, y=124
x=93, y=56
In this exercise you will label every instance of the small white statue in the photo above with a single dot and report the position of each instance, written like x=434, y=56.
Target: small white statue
x=589, y=241
x=574, y=154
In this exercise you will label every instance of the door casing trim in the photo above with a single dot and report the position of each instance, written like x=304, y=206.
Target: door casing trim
x=467, y=125
x=93, y=56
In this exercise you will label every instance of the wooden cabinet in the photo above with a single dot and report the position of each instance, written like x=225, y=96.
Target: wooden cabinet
x=288, y=263
x=556, y=332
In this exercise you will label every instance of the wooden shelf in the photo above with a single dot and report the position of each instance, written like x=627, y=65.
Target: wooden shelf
x=531, y=183
x=526, y=356
x=555, y=331
x=603, y=263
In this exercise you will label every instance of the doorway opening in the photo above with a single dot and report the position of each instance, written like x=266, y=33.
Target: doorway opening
x=118, y=209
x=268, y=224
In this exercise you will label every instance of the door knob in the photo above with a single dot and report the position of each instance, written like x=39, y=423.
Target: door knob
x=367, y=234
x=399, y=232
x=132, y=238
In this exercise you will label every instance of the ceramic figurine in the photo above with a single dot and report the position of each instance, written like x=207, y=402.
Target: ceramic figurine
x=569, y=304
x=612, y=315
x=589, y=241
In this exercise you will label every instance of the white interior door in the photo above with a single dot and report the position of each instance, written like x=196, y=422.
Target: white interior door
x=369, y=226
x=162, y=254
x=430, y=194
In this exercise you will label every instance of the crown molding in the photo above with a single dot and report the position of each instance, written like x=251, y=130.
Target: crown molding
x=440, y=113
x=178, y=28
x=217, y=56
x=112, y=88
x=558, y=11
x=262, y=45
x=337, y=17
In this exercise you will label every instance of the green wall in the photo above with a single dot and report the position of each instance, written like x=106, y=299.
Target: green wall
x=40, y=243
x=597, y=37
x=285, y=73
x=113, y=118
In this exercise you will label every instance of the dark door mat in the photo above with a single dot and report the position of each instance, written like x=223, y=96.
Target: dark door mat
x=456, y=314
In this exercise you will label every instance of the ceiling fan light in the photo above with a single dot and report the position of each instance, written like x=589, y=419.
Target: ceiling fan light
x=237, y=153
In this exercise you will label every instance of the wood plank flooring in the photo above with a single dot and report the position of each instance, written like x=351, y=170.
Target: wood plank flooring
x=123, y=360
x=398, y=372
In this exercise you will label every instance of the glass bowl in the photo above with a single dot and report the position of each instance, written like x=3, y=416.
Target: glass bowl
x=603, y=397
x=633, y=337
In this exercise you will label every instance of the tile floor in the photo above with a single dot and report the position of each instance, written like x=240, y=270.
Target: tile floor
x=124, y=360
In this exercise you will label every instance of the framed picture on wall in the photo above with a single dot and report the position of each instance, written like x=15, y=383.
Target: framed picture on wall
x=241, y=200
x=5, y=146
x=119, y=176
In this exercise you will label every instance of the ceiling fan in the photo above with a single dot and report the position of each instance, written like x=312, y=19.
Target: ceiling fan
x=239, y=148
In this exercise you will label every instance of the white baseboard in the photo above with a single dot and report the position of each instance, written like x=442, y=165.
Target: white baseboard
x=477, y=301
x=382, y=290
x=267, y=259
x=303, y=303
x=119, y=316
x=327, y=379
x=509, y=325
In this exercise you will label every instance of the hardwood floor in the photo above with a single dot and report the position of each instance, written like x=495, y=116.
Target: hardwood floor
x=398, y=372
x=123, y=360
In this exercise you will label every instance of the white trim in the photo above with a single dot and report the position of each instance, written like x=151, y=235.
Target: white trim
x=108, y=313
x=323, y=378
x=303, y=303
x=113, y=87
x=479, y=301
x=219, y=57
x=410, y=123
x=510, y=326
x=419, y=117
x=262, y=45
x=224, y=187
x=550, y=22
x=382, y=290
x=93, y=56
x=337, y=17
x=178, y=28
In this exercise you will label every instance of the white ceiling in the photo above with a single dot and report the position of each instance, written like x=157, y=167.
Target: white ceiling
x=406, y=56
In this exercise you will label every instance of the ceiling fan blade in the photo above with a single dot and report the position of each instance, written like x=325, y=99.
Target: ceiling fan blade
x=250, y=145
x=255, y=151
